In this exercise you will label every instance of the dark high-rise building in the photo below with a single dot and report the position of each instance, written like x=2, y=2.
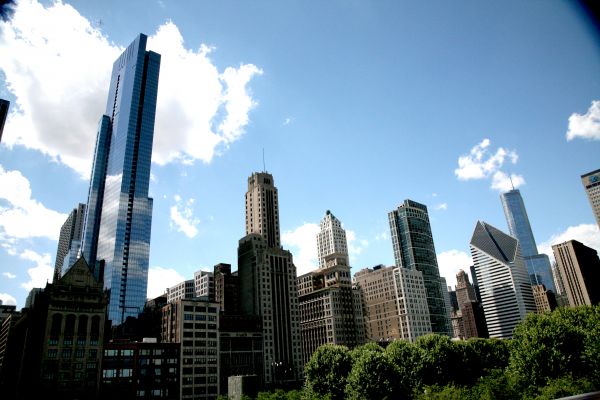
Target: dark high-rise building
x=538, y=265
x=69, y=241
x=414, y=249
x=119, y=217
x=268, y=289
x=226, y=289
x=4, y=105
x=579, y=269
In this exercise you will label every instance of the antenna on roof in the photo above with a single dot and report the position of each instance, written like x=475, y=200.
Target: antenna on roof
x=264, y=165
x=511, y=182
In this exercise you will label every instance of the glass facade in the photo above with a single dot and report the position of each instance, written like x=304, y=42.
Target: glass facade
x=120, y=211
x=413, y=249
x=538, y=265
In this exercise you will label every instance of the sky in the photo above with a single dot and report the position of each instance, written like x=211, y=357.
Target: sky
x=357, y=106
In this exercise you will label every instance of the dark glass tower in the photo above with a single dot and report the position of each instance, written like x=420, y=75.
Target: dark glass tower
x=414, y=249
x=119, y=216
x=538, y=265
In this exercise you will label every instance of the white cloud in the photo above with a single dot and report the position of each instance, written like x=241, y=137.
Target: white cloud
x=41, y=273
x=441, y=207
x=287, y=121
x=9, y=275
x=24, y=217
x=355, y=246
x=503, y=182
x=481, y=164
x=182, y=217
x=302, y=242
x=588, y=234
x=450, y=262
x=586, y=126
x=55, y=61
x=160, y=279
x=8, y=299
x=381, y=236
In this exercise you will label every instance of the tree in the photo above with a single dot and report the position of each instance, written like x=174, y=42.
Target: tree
x=373, y=376
x=406, y=357
x=327, y=369
x=547, y=346
x=440, y=361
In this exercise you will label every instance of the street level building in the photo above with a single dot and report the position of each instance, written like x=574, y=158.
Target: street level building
x=506, y=293
x=195, y=324
x=412, y=241
x=394, y=303
x=119, y=211
x=140, y=370
x=579, y=269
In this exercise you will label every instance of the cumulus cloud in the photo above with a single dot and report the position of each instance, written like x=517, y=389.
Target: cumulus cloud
x=55, y=61
x=8, y=299
x=355, y=245
x=182, y=217
x=302, y=242
x=480, y=163
x=441, y=207
x=588, y=234
x=160, y=279
x=41, y=273
x=22, y=216
x=9, y=275
x=586, y=126
x=449, y=262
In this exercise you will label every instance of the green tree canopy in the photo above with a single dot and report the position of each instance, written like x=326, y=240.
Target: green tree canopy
x=327, y=369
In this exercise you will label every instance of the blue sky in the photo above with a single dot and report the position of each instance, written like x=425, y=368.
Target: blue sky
x=358, y=105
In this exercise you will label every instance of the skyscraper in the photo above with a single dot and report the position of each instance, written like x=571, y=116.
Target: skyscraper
x=413, y=249
x=331, y=239
x=119, y=217
x=506, y=293
x=579, y=269
x=591, y=183
x=538, y=265
x=69, y=241
x=325, y=295
x=268, y=289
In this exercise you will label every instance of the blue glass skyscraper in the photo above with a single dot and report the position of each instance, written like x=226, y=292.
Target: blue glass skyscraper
x=538, y=265
x=119, y=214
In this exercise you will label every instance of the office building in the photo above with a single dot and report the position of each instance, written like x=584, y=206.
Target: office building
x=241, y=348
x=195, y=324
x=545, y=300
x=183, y=290
x=579, y=269
x=140, y=370
x=464, y=290
x=325, y=295
x=204, y=284
x=506, y=293
x=119, y=215
x=538, y=265
x=69, y=241
x=267, y=277
x=331, y=238
x=394, y=303
x=591, y=183
x=414, y=249
x=471, y=314
x=227, y=285
x=4, y=106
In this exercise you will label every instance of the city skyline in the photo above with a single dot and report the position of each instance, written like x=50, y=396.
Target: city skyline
x=352, y=119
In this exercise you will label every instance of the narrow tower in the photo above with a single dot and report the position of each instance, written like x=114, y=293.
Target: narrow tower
x=413, y=249
x=119, y=218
